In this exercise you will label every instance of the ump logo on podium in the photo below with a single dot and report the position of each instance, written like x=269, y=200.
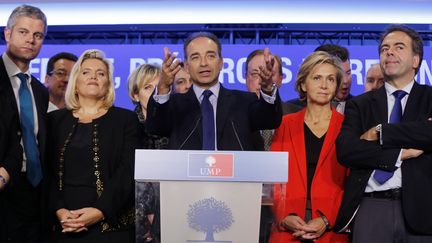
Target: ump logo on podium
x=211, y=165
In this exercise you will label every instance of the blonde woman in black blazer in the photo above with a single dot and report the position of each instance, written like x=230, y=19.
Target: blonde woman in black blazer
x=92, y=189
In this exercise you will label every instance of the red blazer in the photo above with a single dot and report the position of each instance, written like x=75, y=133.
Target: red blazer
x=327, y=184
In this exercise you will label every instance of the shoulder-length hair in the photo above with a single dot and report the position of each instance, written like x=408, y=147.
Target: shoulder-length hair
x=71, y=95
x=313, y=60
x=141, y=76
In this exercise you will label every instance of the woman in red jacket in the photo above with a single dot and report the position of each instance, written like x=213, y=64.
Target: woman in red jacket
x=305, y=208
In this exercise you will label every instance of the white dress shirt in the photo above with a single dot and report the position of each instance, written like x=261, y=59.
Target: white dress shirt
x=161, y=99
x=12, y=70
x=396, y=180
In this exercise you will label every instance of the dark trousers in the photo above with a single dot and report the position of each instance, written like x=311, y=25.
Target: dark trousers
x=381, y=221
x=20, y=210
x=266, y=222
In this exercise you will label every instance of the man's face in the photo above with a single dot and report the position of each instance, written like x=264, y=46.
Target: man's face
x=24, y=40
x=253, y=79
x=182, y=81
x=203, y=62
x=397, y=58
x=374, y=78
x=57, y=80
x=345, y=86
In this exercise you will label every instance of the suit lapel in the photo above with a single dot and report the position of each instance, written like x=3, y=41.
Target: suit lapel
x=329, y=140
x=222, y=111
x=40, y=108
x=296, y=126
x=413, y=103
x=379, y=104
x=6, y=86
x=193, y=111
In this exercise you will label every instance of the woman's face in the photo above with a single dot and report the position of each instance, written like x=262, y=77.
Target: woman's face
x=145, y=91
x=320, y=85
x=92, y=80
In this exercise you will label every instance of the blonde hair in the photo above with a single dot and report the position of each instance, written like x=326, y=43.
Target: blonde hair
x=141, y=76
x=313, y=60
x=71, y=95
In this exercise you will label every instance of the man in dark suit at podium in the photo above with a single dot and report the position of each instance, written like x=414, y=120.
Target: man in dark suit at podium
x=386, y=141
x=209, y=116
x=22, y=198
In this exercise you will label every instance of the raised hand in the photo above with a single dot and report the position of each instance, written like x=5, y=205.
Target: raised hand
x=170, y=67
x=266, y=72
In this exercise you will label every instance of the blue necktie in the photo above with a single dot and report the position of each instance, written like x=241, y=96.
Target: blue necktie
x=208, y=122
x=382, y=176
x=33, y=166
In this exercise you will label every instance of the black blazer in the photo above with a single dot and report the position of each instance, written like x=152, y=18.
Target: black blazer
x=10, y=149
x=41, y=98
x=118, y=139
x=362, y=157
x=238, y=115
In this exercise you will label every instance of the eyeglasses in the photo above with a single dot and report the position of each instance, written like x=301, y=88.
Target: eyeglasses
x=60, y=74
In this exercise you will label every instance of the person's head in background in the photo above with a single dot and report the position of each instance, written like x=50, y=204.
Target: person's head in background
x=256, y=59
x=24, y=34
x=91, y=83
x=141, y=84
x=343, y=54
x=374, y=78
x=319, y=77
x=182, y=81
x=58, y=70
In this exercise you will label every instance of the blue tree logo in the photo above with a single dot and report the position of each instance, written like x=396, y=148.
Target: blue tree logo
x=209, y=216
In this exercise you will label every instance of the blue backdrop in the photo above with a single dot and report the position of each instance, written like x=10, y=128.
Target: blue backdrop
x=127, y=57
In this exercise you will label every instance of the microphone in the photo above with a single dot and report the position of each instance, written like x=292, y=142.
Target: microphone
x=237, y=136
x=190, y=134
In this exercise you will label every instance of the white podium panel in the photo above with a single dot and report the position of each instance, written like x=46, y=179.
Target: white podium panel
x=210, y=212
x=210, y=196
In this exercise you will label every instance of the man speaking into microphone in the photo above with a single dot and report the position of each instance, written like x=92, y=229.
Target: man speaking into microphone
x=209, y=116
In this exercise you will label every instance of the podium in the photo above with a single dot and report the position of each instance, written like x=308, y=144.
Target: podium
x=210, y=196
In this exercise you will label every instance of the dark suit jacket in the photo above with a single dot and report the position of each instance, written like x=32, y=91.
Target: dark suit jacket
x=25, y=208
x=41, y=97
x=10, y=148
x=238, y=114
x=10, y=156
x=362, y=157
x=118, y=139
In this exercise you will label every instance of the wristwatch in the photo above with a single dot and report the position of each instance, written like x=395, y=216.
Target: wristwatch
x=378, y=128
x=271, y=92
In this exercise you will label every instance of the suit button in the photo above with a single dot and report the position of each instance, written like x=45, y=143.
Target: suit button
x=359, y=180
x=19, y=133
